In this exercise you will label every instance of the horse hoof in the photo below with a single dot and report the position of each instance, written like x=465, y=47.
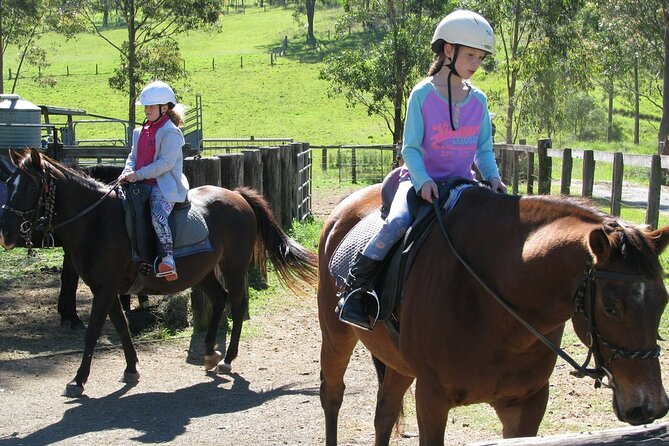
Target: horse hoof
x=223, y=369
x=130, y=377
x=73, y=390
x=211, y=361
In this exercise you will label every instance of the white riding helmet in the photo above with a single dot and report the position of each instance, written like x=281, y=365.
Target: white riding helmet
x=463, y=27
x=157, y=93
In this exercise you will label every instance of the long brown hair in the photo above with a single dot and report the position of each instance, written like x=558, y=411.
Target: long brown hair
x=439, y=57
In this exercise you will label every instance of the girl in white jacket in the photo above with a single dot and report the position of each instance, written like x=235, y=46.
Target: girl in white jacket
x=156, y=159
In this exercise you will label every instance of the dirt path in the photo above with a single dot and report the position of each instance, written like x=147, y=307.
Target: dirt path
x=270, y=399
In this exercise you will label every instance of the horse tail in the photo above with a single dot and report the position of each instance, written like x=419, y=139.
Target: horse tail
x=292, y=261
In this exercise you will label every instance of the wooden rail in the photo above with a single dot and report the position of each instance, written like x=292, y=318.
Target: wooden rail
x=539, y=158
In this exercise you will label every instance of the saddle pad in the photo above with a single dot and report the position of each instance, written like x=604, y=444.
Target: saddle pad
x=351, y=244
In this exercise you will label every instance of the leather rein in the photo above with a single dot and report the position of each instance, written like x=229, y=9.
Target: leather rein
x=583, y=302
x=40, y=216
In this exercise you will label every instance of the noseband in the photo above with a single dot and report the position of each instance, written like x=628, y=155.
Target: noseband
x=583, y=302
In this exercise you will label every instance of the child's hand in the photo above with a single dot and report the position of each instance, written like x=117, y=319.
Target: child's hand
x=429, y=190
x=130, y=177
x=497, y=186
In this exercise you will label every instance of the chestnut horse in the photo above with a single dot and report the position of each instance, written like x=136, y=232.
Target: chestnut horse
x=547, y=260
x=88, y=218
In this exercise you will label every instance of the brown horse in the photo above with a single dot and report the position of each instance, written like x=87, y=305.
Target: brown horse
x=547, y=259
x=88, y=218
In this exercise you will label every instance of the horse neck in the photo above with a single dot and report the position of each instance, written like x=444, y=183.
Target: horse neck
x=535, y=259
x=73, y=195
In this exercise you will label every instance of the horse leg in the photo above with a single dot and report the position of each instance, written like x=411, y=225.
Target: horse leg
x=102, y=302
x=67, y=298
x=431, y=412
x=521, y=418
x=118, y=319
x=125, y=301
x=217, y=296
x=389, y=400
x=237, y=293
x=336, y=349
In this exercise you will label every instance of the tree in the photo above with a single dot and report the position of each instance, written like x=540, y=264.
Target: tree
x=643, y=33
x=529, y=32
x=22, y=24
x=380, y=72
x=148, y=51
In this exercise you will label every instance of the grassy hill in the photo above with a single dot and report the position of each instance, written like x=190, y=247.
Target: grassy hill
x=243, y=94
x=282, y=100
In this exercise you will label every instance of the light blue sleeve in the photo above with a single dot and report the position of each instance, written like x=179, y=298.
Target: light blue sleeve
x=413, y=139
x=485, y=156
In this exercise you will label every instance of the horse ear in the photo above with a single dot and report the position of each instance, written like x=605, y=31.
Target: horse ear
x=36, y=158
x=600, y=244
x=660, y=238
x=14, y=156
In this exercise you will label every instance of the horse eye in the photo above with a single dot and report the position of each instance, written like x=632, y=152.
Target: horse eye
x=612, y=311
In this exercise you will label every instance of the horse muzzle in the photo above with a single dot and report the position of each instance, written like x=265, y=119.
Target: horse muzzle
x=647, y=410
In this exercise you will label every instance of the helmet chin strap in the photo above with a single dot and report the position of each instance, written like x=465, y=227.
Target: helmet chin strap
x=451, y=70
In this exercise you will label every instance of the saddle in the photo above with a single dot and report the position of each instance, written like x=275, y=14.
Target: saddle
x=388, y=281
x=190, y=234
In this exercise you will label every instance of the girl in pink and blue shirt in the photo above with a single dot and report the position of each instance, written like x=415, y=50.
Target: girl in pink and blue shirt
x=447, y=128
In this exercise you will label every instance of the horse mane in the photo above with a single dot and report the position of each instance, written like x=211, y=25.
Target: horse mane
x=76, y=174
x=631, y=244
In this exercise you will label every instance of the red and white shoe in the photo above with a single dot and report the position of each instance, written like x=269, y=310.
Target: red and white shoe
x=167, y=269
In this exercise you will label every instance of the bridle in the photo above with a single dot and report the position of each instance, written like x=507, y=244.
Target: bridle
x=40, y=216
x=583, y=302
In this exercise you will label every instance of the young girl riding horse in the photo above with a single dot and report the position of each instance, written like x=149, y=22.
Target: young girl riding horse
x=447, y=127
x=156, y=159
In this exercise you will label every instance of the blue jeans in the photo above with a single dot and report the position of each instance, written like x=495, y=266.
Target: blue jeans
x=398, y=221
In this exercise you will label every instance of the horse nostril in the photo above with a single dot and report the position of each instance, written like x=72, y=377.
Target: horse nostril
x=639, y=415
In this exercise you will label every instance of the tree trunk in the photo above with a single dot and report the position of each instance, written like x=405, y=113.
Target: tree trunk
x=132, y=64
x=2, y=51
x=636, y=102
x=609, y=129
x=664, y=124
x=311, y=6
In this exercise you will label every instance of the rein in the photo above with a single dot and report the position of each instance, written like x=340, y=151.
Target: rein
x=42, y=213
x=584, y=302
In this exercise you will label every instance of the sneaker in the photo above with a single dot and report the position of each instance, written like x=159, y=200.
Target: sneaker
x=167, y=269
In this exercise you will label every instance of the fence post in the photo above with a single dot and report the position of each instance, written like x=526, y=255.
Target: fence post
x=530, y=173
x=253, y=169
x=354, y=177
x=504, y=162
x=617, y=184
x=514, y=172
x=271, y=179
x=324, y=159
x=232, y=170
x=588, y=172
x=545, y=167
x=653, y=212
x=567, y=166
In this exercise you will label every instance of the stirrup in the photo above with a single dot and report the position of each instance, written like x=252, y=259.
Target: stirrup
x=366, y=294
x=165, y=269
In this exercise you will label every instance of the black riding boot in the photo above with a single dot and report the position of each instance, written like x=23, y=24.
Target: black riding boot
x=359, y=304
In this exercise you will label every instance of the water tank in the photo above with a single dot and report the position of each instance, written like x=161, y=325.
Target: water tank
x=17, y=113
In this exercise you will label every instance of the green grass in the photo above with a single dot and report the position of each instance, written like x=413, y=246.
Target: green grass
x=262, y=100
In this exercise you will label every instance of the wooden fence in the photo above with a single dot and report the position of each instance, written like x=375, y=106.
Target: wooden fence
x=534, y=165
x=282, y=174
